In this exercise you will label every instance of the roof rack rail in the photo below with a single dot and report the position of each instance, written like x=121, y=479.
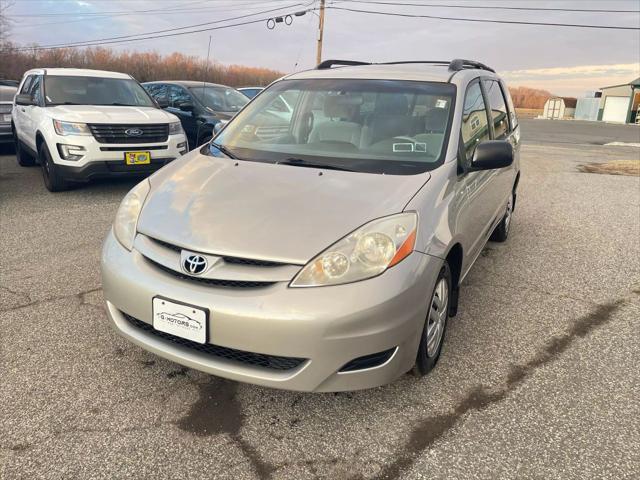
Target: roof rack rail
x=330, y=63
x=460, y=64
x=408, y=62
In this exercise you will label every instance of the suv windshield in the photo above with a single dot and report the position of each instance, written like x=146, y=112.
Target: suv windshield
x=220, y=99
x=72, y=90
x=376, y=126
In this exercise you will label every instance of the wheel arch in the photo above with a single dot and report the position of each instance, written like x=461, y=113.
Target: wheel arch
x=454, y=259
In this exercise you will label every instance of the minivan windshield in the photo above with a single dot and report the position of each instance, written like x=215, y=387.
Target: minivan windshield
x=72, y=90
x=375, y=126
x=220, y=99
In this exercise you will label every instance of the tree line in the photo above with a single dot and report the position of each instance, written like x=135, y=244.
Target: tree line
x=143, y=66
x=150, y=66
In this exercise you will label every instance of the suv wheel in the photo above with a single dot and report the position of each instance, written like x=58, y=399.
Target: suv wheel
x=22, y=156
x=435, y=324
x=52, y=179
x=501, y=232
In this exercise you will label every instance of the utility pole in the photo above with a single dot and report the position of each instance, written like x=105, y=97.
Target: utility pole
x=320, y=33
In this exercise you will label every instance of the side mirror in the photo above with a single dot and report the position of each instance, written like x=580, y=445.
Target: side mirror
x=492, y=154
x=186, y=107
x=217, y=127
x=25, y=99
x=162, y=102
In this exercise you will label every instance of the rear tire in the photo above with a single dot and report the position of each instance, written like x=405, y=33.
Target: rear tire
x=435, y=324
x=22, y=156
x=501, y=232
x=50, y=174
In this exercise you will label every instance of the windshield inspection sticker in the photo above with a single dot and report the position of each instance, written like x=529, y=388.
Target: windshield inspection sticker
x=440, y=103
x=410, y=147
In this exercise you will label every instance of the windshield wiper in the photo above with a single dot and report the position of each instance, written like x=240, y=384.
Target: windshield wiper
x=116, y=104
x=225, y=150
x=299, y=162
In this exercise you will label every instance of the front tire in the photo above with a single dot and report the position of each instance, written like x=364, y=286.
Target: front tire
x=50, y=174
x=501, y=232
x=22, y=156
x=435, y=325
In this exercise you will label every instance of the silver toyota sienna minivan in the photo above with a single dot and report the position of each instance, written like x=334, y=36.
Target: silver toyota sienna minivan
x=320, y=248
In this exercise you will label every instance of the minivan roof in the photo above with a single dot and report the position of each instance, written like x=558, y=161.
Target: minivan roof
x=414, y=71
x=77, y=72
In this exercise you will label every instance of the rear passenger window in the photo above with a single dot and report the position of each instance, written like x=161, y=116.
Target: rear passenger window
x=498, y=108
x=475, y=126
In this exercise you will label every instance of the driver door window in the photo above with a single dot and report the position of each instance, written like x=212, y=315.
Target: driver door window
x=475, y=124
x=178, y=96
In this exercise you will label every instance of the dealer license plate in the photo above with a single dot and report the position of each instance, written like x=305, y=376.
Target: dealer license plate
x=179, y=319
x=137, y=158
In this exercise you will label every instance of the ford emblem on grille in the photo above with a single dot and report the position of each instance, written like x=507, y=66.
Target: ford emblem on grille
x=193, y=264
x=133, y=132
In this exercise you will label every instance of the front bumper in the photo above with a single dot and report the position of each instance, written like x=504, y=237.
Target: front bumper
x=326, y=326
x=107, y=160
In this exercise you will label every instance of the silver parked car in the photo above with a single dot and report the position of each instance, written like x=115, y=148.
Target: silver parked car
x=328, y=257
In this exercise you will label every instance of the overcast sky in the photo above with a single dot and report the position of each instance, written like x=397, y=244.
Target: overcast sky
x=566, y=61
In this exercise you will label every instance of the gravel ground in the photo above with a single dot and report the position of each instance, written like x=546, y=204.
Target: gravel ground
x=538, y=379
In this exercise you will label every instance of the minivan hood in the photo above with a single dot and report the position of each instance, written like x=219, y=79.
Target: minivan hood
x=110, y=114
x=265, y=211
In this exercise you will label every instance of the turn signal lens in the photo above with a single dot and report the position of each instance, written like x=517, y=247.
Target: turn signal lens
x=364, y=253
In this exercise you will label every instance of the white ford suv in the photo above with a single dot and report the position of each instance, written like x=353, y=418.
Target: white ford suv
x=84, y=124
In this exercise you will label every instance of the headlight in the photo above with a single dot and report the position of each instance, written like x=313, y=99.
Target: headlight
x=70, y=128
x=175, y=128
x=126, y=221
x=364, y=253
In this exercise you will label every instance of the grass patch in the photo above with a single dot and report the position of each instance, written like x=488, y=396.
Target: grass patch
x=616, y=167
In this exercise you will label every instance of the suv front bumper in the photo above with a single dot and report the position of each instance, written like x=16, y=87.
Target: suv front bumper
x=107, y=159
x=328, y=327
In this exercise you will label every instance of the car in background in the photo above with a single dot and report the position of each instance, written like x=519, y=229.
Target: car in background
x=9, y=83
x=83, y=124
x=6, y=105
x=200, y=106
x=250, y=92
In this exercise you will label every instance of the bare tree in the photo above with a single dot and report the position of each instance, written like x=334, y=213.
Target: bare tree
x=5, y=22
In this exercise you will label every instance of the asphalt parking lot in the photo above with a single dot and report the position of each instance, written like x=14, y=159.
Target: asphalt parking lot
x=539, y=377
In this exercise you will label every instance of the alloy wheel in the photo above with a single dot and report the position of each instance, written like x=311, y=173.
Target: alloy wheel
x=437, y=317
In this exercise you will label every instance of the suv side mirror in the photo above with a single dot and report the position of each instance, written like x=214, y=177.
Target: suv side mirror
x=186, y=107
x=25, y=99
x=162, y=102
x=492, y=154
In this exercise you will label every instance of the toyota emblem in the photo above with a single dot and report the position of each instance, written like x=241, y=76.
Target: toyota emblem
x=194, y=264
x=133, y=132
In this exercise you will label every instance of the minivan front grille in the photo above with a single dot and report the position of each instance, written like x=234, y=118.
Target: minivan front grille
x=271, y=362
x=212, y=281
x=233, y=260
x=130, y=134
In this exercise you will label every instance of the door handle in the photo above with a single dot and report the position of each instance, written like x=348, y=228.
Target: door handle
x=22, y=109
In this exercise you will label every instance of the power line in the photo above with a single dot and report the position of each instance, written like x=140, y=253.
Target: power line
x=159, y=12
x=151, y=35
x=479, y=20
x=490, y=7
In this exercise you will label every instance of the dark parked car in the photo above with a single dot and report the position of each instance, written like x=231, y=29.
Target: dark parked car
x=199, y=105
x=250, y=92
x=6, y=104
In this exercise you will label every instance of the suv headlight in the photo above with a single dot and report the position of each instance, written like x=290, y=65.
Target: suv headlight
x=364, y=253
x=70, y=128
x=124, y=227
x=175, y=128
